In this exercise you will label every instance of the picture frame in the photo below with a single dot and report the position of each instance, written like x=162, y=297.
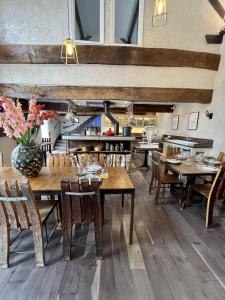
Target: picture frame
x=193, y=121
x=175, y=122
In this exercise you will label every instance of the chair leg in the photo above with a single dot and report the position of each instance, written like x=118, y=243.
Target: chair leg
x=209, y=212
x=180, y=194
x=4, y=245
x=38, y=245
x=163, y=191
x=151, y=184
x=122, y=200
x=157, y=193
x=187, y=201
x=98, y=224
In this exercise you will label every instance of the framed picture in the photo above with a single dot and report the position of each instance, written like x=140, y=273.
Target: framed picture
x=193, y=121
x=175, y=122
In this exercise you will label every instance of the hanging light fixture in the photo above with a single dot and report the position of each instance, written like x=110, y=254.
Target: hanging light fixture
x=160, y=14
x=69, y=51
x=72, y=112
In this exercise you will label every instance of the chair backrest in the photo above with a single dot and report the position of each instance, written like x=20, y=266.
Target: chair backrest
x=118, y=160
x=79, y=199
x=220, y=156
x=1, y=159
x=169, y=151
x=218, y=186
x=156, y=166
x=223, y=158
x=59, y=160
x=217, y=190
x=18, y=208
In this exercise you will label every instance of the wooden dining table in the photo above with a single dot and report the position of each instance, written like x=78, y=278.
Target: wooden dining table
x=48, y=182
x=191, y=171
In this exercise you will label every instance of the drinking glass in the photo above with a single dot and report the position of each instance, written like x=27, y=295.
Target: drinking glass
x=105, y=173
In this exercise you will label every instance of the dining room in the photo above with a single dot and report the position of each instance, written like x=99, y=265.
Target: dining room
x=112, y=149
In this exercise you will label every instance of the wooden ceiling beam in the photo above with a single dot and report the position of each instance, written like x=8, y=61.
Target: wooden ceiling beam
x=133, y=94
x=139, y=109
x=111, y=55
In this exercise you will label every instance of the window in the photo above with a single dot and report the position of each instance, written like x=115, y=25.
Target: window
x=87, y=20
x=118, y=21
x=126, y=21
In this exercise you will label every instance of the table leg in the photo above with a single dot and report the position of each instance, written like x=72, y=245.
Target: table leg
x=132, y=217
x=190, y=181
x=102, y=200
x=145, y=164
x=98, y=224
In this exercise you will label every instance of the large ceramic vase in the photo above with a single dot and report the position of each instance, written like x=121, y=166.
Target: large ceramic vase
x=27, y=160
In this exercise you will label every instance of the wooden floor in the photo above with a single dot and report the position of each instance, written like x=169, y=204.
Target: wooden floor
x=173, y=257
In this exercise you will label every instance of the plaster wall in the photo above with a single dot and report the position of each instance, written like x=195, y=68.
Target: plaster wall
x=212, y=129
x=45, y=22
x=107, y=75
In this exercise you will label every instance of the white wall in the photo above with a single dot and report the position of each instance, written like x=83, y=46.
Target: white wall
x=211, y=129
x=45, y=22
x=187, y=23
x=107, y=75
x=51, y=129
x=6, y=147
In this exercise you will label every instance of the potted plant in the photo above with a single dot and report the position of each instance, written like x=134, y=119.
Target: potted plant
x=27, y=157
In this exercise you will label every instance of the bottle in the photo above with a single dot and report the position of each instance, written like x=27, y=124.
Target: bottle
x=121, y=147
x=117, y=147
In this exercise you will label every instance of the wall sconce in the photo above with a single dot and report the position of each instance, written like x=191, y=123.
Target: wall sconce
x=160, y=15
x=69, y=51
x=209, y=115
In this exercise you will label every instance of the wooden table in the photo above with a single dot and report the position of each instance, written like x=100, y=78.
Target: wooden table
x=146, y=150
x=48, y=182
x=190, y=171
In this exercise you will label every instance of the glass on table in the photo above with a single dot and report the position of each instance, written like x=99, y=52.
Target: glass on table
x=104, y=173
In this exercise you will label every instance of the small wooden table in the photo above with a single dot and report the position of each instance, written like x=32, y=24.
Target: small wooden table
x=145, y=151
x=190, y=171
x=48, y=182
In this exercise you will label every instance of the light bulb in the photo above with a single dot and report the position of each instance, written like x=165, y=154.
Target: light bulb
x=69, y=49
x=69, y=46
x=160, y=8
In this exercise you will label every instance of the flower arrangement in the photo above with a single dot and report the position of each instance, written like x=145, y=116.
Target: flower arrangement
x=16, y=125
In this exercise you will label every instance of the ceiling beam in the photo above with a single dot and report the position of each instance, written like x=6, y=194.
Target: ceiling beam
x=133, y=94
x=218, y=8
x=138, y=109
x=111, y=55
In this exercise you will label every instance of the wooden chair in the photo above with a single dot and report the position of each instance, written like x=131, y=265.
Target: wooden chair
x=81, y=204
x=210, y=193
x=208, y=179
x=59, y=160
x=20, y=210
x=169, y=152
x=119, y=160
x=162, y=180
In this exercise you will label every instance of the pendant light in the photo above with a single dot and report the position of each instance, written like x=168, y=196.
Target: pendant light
x=160, y=14
x=69, y=51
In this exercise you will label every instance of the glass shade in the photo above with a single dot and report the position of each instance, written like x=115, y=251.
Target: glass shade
x=69, y=52
x=160, y=14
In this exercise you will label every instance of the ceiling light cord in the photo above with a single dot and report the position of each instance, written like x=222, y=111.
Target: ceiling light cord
x=68, y=18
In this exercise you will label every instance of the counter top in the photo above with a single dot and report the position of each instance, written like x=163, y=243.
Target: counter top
x=97, y=138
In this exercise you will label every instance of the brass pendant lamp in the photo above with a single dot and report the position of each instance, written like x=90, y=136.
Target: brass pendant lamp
x=69, y=53
x=160, y=15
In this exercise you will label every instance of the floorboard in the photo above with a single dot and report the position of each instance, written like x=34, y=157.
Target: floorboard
x=173, y=256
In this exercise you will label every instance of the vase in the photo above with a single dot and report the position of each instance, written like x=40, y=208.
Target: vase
x=27, y=160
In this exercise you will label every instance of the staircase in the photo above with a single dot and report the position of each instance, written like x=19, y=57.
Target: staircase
x=60, y=146
x=80, y=129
